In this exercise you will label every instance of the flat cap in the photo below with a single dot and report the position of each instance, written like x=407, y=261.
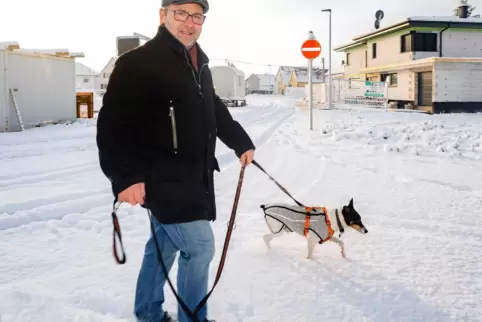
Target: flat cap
x=203, y=3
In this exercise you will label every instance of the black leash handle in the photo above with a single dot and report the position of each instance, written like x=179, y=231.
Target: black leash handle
x=117, y=232
x=279, y=185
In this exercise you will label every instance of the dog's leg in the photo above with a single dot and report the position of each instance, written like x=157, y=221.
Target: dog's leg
x=311, y=242
x=341, y=244
x=269, y=237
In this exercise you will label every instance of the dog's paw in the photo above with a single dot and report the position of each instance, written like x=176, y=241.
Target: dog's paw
x=267, y=242
x=343, y=254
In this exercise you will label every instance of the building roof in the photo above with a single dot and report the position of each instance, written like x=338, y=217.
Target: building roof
x=286, y=73
x=416, y=21
x=237, y=72
x=83, y=70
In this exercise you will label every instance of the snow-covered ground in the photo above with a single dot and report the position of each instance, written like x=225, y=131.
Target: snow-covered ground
x=415, y=180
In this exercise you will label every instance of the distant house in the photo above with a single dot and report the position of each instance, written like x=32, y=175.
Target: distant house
x=103, y=77
x=296, y=76
x=430, y=63
x=282, y=79
x=84, y=76
x=260, y=83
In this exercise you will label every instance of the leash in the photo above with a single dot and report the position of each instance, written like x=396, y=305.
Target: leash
x=192, y=315
x=278, y=184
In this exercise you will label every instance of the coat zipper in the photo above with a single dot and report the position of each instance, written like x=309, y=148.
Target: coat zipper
x=173, y=126
x=198, y=82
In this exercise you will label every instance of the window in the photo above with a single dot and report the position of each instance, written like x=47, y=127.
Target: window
x=425, y=42
x=348, y=59
x=406, y=43
x=413, y=41
x=393, y=81
x=374, y=50
x=86, y=80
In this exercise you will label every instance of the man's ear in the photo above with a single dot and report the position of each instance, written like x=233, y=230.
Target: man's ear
x=162, y=15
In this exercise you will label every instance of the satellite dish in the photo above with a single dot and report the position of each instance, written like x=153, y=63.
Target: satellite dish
x=379, y=15
x=377, y=24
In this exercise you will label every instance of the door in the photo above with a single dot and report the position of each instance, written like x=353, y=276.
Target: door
x=425, y=80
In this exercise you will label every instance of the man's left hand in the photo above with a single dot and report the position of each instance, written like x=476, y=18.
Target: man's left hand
x=247, y=157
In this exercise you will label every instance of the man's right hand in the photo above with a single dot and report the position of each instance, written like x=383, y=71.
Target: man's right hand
x=134, y=195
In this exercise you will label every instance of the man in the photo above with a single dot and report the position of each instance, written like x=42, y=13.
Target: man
x=156, y=135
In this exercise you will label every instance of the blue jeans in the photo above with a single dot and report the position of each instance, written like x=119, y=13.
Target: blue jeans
x=195, y=241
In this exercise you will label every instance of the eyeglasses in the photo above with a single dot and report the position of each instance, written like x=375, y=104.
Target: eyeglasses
x=181, y=15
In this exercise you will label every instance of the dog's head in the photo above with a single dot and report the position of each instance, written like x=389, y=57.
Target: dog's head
x=352, y=218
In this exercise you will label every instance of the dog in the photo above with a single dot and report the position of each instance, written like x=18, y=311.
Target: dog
x=317, y=227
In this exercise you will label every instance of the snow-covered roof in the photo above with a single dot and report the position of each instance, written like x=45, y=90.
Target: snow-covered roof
x=286, y=73
x=237, y=72
x=476, y=20
x=83, y=70
x=302, y=75
x=6, y=44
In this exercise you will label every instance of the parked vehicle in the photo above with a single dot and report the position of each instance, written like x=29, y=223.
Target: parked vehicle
x=229, y=84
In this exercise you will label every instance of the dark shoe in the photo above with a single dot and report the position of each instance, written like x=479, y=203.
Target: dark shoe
x=167, y=318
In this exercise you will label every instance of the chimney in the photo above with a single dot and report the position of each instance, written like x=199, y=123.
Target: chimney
x=463, y=11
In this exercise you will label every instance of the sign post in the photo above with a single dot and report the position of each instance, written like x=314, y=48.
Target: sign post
x=310, y=49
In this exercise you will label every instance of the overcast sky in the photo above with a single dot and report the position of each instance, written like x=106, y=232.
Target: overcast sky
x=256, y=31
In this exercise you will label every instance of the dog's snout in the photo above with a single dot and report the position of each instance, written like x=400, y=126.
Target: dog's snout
x=360, y=228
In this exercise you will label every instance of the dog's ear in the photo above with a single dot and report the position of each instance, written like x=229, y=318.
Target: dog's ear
x=351, y=203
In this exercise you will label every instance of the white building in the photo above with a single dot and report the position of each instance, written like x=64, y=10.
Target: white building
x=261, y=83
x=429, y=63
x=36, y=87
x=85, y=77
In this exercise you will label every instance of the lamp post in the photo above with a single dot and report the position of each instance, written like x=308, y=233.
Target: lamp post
x=329, y=57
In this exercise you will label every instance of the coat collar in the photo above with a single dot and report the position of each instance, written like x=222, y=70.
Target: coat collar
x=164, y=37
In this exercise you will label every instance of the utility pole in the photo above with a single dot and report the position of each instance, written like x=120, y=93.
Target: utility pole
x=329, y=57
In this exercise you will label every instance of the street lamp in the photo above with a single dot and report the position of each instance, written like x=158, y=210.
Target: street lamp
x=329, y=57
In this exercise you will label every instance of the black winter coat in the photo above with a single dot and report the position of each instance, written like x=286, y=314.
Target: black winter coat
x=158, y=125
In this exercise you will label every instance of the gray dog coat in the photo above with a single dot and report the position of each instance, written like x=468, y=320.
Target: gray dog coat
x=298, y=219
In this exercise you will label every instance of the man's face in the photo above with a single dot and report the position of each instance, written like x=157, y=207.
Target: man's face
x=188, y=31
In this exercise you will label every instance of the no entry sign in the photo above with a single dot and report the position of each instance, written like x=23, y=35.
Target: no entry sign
x=311, y=49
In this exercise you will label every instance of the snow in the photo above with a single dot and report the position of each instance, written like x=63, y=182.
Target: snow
x=415, y=180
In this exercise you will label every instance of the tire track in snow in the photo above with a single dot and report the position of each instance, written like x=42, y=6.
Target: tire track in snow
x=228, y=158
x=41, y=151
x=54, y=208
x=33, y=177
